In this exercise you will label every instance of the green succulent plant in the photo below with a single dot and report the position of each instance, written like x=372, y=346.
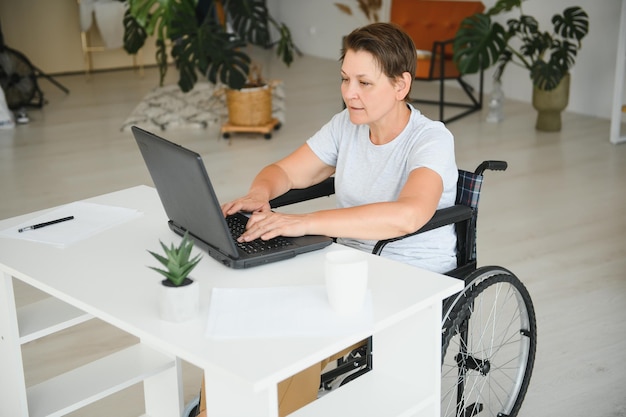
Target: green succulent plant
x=177, y=261
x=481, y=43
x=207, y=37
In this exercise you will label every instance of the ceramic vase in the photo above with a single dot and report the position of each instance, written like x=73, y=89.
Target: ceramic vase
x=178, y=304
x=496, y=104
x=550, y=104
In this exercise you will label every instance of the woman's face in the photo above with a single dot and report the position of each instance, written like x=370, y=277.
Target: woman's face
x=368, y=93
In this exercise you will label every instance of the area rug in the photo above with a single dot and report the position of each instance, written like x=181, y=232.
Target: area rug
x=168, y=107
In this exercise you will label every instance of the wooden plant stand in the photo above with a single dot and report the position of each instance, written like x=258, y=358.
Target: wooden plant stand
x=266, y=129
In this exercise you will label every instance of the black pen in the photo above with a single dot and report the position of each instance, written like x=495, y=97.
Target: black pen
x=40, y=225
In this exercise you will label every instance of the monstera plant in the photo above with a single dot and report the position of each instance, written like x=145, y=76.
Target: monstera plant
x=548, y=55
x=207, y=37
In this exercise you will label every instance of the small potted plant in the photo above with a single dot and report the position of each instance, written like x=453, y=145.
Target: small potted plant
x=548, y=56
x=180, y=295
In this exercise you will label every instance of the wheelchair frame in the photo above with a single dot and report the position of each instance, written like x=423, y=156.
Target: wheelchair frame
x=489, y=330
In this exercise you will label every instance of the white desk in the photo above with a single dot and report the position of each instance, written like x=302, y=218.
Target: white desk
x=106, y=277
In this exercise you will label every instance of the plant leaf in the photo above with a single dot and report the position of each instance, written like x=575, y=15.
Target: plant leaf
x=177, y=260
x=504, y=6
x=574, y=23
x=134, y=34
x=344, y=8
x=478, y=43
x=250, y=20
x=545, y=76
x=221, y=60
x=286, y=47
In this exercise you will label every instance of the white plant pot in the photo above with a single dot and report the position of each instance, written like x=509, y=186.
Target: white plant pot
x=178, y=304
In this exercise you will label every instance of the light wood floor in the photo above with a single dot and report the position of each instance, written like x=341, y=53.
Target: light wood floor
x=556, y=217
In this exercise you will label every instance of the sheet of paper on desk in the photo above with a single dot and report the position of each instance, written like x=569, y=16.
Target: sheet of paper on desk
x=249, y=313
x=89, y=219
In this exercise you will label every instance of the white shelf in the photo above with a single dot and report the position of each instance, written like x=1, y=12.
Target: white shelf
x=375, y=395
x=47, y=316
x=82, y=386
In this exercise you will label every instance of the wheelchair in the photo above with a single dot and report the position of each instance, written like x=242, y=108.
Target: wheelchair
x=488, y=330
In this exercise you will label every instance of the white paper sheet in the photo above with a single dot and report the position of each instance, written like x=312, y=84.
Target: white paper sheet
x=249, y=313
x=89, y=219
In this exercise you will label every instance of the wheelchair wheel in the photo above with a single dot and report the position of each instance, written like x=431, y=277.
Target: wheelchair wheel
x=192, y=408
x=489, y=338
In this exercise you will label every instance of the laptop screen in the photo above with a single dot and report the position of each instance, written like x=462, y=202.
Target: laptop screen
x=185, y=190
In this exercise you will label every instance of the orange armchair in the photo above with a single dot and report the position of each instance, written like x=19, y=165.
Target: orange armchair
x=432, y=24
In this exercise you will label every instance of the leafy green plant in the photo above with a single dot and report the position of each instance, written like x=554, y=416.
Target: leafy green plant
x=481, y=43
x=206, y=37
x=176, y=261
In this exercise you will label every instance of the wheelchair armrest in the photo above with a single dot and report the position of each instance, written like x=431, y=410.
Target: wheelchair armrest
x=449, y=215
x=446, y=216
x=323, y=189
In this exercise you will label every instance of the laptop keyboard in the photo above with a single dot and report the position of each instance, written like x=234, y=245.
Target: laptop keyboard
x=237, y=225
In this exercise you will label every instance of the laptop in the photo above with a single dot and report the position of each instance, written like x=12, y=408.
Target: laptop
x=191, y=205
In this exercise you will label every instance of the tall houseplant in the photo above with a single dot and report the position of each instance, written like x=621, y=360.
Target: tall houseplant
x=207, y=37
x=548, y=56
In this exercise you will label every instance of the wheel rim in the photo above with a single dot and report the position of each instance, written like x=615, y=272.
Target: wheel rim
x=485, y=367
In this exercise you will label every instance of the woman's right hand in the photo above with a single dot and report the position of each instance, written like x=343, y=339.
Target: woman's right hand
x=298, y=170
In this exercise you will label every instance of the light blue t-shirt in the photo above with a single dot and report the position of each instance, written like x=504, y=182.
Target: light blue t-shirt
x=368, y=173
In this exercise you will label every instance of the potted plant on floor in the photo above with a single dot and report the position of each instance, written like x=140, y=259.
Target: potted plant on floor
x=180, y=295
x=207, y=38
x=548, y=56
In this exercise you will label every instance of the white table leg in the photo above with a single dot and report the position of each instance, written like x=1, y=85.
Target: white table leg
x=163, y=393
x=228, y=396
x=13, y=400
x=407, y=351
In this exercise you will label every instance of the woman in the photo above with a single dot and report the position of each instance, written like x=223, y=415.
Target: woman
x=393, y=167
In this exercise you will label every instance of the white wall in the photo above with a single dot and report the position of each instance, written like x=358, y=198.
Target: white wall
x=317, y=27
x=47, y=31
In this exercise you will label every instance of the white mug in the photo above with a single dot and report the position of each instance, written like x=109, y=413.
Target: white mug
x=346, y=280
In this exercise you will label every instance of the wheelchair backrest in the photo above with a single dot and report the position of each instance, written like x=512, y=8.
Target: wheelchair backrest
x=467, y=193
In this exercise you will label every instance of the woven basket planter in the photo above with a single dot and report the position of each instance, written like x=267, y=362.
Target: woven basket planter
x=249, y=106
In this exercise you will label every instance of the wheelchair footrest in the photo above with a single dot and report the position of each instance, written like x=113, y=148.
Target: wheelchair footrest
x=475, y=408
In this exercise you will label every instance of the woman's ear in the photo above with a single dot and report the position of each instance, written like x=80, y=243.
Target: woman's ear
x=403, y=85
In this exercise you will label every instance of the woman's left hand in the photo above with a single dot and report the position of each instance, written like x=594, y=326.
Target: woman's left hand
x=268, y=224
